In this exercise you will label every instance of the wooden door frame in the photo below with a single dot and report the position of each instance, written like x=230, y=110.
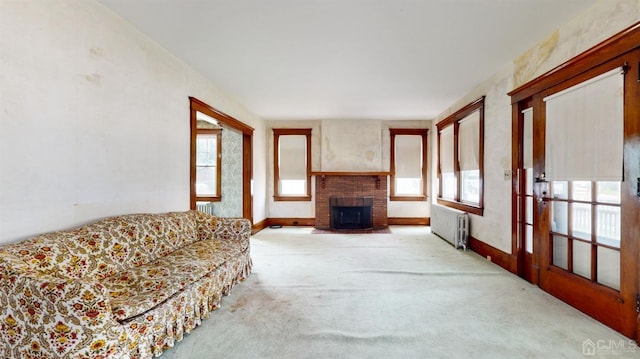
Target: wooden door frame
x=622, y=44
x=247, y=152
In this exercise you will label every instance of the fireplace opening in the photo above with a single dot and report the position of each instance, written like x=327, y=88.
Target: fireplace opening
x=351, y=212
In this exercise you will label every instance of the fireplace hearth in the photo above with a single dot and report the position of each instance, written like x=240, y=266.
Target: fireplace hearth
x=351, y=212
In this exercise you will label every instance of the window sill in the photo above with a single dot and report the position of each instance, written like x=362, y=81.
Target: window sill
x=208, y=199
x=292, y=198
x=408, y=198
x=462, y=206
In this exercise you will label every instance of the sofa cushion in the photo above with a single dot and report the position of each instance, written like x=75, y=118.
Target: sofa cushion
x=136, y=290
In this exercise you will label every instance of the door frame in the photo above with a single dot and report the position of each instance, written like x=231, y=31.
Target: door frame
x=247, y=152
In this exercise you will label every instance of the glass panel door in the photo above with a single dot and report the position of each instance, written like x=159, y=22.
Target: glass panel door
x=585, y=230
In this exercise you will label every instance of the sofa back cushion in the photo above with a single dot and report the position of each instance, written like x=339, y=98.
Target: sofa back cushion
x=118, y=243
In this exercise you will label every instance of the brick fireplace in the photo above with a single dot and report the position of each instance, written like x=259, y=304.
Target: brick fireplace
x=348, y=189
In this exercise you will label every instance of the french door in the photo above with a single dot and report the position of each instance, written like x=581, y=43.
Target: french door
x=576, y=235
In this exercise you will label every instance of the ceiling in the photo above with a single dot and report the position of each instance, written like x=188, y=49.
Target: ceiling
x=347, y=59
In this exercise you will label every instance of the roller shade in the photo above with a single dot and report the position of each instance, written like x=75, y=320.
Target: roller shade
x=292, y=156
x=469, y=142
x=446, y=149
x=408, y=156
x=584, y=130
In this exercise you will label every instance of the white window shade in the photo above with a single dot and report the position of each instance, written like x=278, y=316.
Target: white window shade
x=584, y=130
x=446, y=149
x=469, y=142
x=527, y=137
x=292, y=157
x=408, y=156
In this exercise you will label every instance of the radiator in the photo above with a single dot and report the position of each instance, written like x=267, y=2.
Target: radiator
x=206, y=207
x=450, y=224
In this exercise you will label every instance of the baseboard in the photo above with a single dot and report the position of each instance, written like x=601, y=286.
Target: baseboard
x=257, y=227
x=307, y=222
x=409, y=221
x=493, y=254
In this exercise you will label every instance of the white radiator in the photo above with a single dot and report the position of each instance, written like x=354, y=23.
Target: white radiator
x=450, y=224
x=206, y=207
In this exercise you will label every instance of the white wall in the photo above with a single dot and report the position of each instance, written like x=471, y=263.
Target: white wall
x=94, y=119
x=604, y=19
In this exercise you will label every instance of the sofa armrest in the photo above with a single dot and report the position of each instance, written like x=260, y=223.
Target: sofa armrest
x=233, y=229
x=47, y=316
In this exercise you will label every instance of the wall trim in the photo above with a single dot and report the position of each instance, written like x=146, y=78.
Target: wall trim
x=409, y=221
x=502, y=259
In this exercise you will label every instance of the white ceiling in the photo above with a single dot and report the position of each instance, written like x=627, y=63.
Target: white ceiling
x=347, y=59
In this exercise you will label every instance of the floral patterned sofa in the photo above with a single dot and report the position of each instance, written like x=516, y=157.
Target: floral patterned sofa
x=122, y=287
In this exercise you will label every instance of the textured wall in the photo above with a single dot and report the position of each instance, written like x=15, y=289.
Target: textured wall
x=231, y=182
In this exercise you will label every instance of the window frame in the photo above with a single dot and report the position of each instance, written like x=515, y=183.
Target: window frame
x=277, y=132
x=218, y=133
x=423, y=132
x=454, y=120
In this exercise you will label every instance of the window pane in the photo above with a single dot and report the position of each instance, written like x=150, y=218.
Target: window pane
x=206, y=181
x=581, y=223
x=582, y=258
x=293, y=187
x=609, y=267
x=470, y=186
x=608, y=226
x=560, y=219
x=560, y=252
x=448, y=185
x=206, y=148
x=408, y=186
x=608, y=192
x=206, y=161
x=581, y=190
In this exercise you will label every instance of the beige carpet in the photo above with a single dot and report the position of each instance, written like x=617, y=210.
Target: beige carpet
x=407, y=294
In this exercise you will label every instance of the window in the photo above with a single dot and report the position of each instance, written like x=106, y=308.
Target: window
x=208, y=159
x=292, y=164
x=460, y=158
x=408, y=164
x=208, y=144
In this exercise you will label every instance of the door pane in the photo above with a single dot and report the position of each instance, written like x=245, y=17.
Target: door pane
x=528, y=240
x=559, y=217
x=529, y=210
x=581, y=190
x=581, y=223
x=529, y=184
x=560, y=189
x=608, y=192
x=582, y=258
x=608, y=226
x=560, y=252
x=609, y=267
